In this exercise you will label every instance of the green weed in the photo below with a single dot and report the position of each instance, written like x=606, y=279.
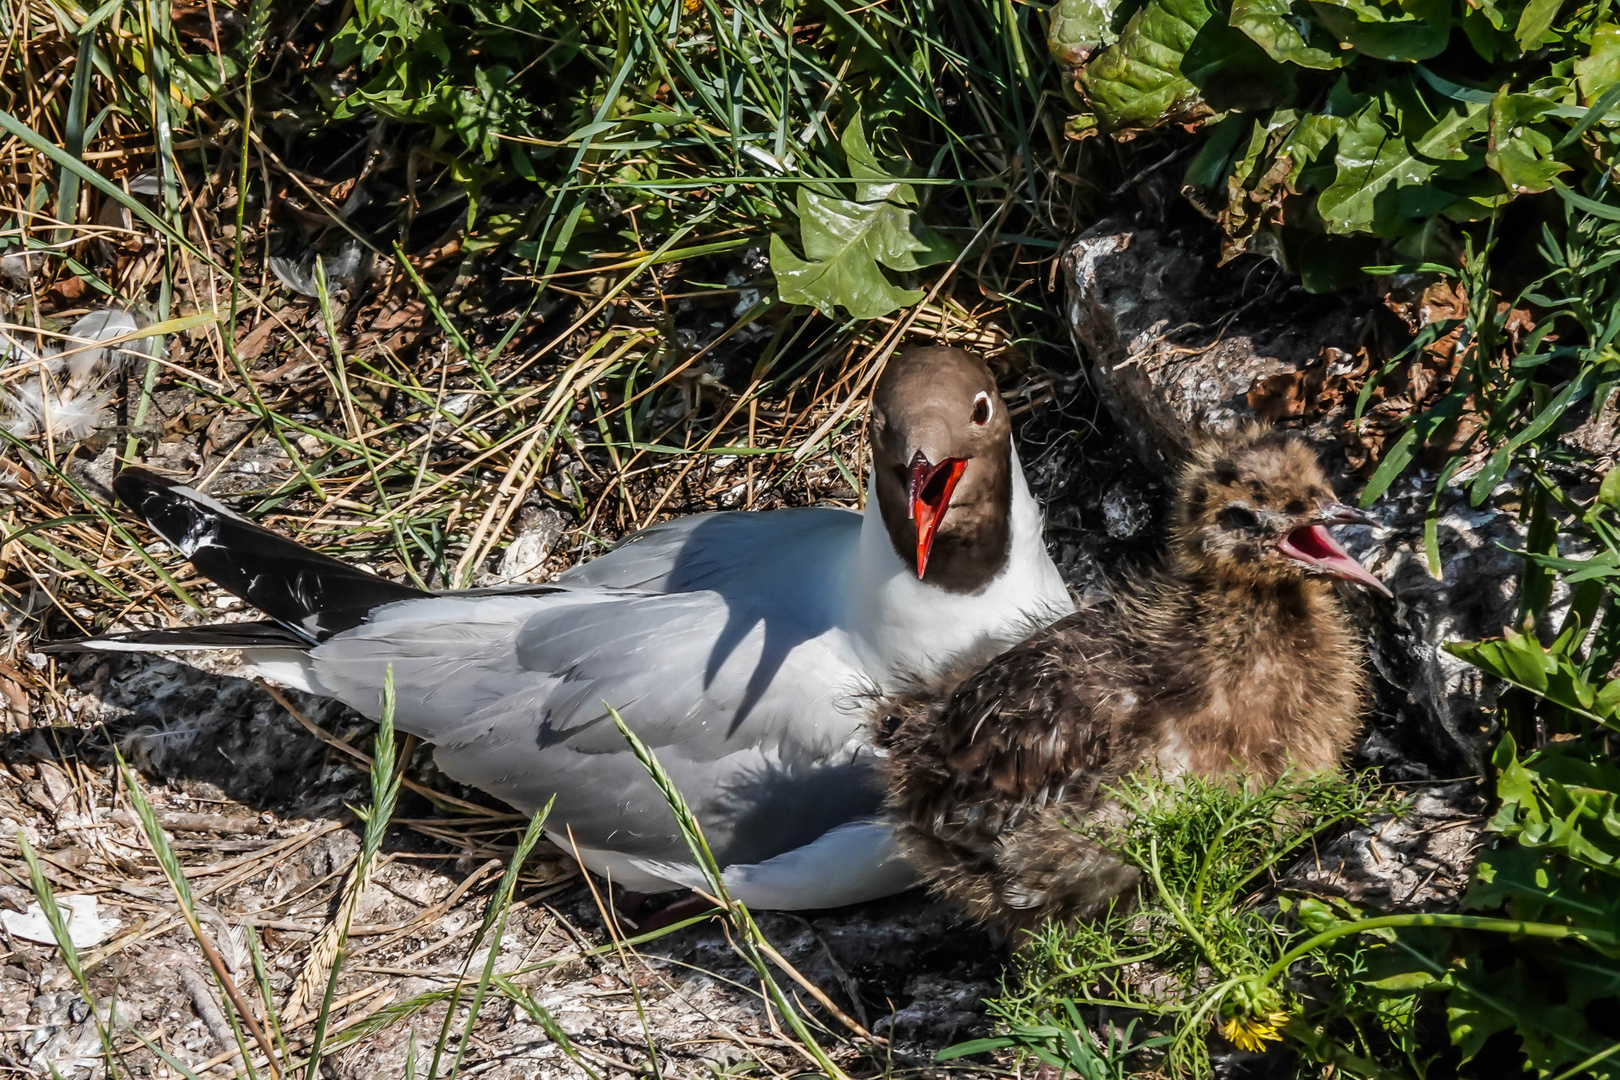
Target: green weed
x=1333, y=131
x=1555, y=866
x=1191, y=950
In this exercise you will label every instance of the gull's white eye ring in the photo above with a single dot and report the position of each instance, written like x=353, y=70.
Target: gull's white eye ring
x=982, y=409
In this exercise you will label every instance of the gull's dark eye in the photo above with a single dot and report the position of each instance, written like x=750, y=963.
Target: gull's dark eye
x=1236, y=518
x=981, y=409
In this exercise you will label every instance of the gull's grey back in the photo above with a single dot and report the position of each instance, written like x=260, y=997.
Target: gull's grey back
x=743, y=685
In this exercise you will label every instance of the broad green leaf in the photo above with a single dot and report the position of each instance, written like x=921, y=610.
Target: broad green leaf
x=1379, y=155
x=1138, y=80
x=1080, y=27
x=1599, y=69
x=1316, y=916
x=1488, y=29
x=1510, y=658
x=1607, y=702
x=872, y=180
x=1209, y=167
x=1550, y=673
x=1609, y=490
x=1289, y=33
x=1524, y=881
x=1179, y=60
x=1405, y=31
x=1307, y=140
x=1470, y=1025
x=1515, y=785
x=1551, y=1020
x=1526, y=662
x=1521, y=152
x=1534, y=22
x=1413, y=981
x=847, y=243
x=1493, y=14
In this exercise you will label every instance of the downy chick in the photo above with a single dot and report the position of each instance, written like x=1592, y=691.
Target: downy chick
x=1235, y=658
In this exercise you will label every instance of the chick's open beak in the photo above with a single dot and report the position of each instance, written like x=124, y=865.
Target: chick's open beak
x=929, y=495
x=1314, y=546
x=1338, y=513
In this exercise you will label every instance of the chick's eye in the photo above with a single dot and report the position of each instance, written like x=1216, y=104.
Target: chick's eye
x=981, y=409
x=1236, y=518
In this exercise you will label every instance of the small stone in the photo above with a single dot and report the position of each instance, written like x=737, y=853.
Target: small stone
x=1125, y=512
x=525, y=557
x=18, y=268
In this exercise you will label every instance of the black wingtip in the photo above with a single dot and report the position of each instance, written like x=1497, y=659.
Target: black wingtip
x=313, y=594
x=65, y=645
x=134, y=483
x=242, y=635
x=182, y=516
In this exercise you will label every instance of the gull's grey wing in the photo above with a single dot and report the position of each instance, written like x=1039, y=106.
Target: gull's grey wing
x=730, y=551
x=754, y=709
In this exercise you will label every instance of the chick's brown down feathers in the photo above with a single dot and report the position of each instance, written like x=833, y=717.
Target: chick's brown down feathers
x=1234, y=658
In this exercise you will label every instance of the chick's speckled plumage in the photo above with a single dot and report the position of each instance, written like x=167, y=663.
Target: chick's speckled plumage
x=1232, y=659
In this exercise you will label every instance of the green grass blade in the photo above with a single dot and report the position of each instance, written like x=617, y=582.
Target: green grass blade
x=752, y=939
x=27, y=135
x=67, y=182
x=95, y=507
x=385, y=778
x=46, y=896
x=494, y=925
x=168, y=1059
x=181, y=887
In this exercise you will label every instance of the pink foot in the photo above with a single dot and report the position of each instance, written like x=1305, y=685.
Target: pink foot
x=642, y=911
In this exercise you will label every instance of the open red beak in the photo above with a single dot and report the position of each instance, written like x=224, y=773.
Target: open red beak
x=929, y=495
x=1314, y=546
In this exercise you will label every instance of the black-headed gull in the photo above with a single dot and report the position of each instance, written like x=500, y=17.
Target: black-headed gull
x=745, y=649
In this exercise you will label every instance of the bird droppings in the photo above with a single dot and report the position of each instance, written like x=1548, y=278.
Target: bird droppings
x=87, y=924
x=537, y=533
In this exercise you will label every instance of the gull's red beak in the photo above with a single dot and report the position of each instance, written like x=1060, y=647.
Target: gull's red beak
x=1314, y=546
x=929, y=495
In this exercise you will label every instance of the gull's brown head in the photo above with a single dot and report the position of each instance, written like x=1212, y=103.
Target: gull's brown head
x=1255, y=507
x=942, y=465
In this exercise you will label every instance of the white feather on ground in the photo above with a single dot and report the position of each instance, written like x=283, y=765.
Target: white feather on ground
x=33, y=409
x=60, y=391
x=86, y=356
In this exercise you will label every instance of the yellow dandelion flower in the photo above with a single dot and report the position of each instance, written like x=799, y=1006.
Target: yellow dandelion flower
x=691, y=6
x=1251, y=1033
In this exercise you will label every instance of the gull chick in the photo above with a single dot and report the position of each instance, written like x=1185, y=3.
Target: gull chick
x=1233, y=659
